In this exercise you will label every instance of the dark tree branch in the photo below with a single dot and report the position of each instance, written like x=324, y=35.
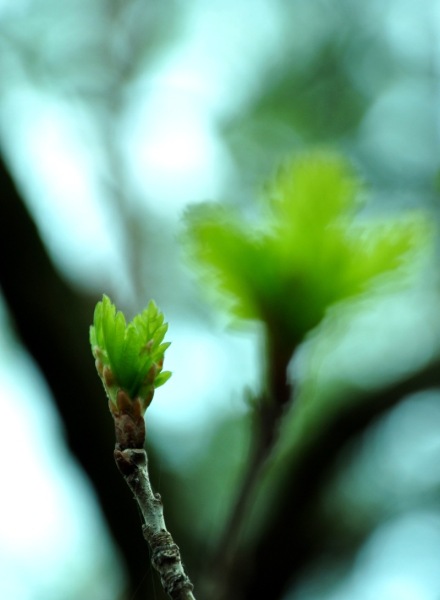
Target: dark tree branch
x=52, y=320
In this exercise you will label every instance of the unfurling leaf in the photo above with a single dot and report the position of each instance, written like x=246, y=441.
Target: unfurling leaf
x=129, y=357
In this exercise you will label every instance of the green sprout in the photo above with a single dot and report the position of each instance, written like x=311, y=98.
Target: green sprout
x=129, y=357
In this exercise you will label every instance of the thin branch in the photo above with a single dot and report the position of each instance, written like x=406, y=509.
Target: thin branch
x=165, y=554
x=226, y=569
x=286, y=544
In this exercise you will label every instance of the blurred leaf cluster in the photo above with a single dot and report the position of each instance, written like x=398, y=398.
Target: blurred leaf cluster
x=306, y=252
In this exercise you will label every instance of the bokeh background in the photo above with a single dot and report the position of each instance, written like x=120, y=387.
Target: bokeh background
x=114, y=116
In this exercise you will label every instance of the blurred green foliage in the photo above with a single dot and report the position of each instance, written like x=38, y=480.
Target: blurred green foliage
x=306, y=252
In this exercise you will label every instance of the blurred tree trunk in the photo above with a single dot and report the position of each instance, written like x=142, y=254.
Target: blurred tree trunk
x=52, y=320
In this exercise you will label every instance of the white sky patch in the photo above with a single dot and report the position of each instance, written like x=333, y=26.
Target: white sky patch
x=412, y=29
x=174, y=151
x=383, y=136
x=16, y=8
x=228, y=45
x=173, y=137
x=402, y=333
x=399, y=561
x=401, y=555
x=54, y=163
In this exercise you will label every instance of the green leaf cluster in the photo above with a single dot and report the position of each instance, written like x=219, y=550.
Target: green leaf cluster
x=307, y=252
x=129, y=357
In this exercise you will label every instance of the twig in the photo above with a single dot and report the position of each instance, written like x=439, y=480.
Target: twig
x=229, y=564
x=165, y=554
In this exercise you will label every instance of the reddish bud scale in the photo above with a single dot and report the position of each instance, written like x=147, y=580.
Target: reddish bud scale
x=109, y=378
x=151, y=375
x=99, y=367
x=129, y=421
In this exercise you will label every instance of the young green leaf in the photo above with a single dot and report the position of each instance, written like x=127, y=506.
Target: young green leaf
x=129, y=357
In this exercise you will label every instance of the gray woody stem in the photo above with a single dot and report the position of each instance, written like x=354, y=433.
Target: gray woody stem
x=165, y=554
